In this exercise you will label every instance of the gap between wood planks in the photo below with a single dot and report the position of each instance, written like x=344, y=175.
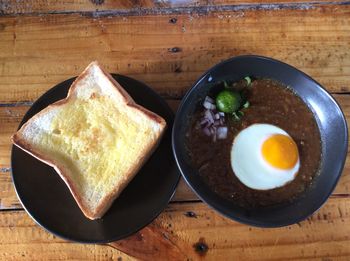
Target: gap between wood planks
x=5, y=10
x=15, y=104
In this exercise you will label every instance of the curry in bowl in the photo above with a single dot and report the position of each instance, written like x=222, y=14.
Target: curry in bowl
x=254, y=142
x=267, y=150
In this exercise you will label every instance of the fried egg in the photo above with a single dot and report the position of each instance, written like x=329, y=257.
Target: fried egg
x=264, y=157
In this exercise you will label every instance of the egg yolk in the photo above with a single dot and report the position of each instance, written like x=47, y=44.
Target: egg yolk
x=280, y=151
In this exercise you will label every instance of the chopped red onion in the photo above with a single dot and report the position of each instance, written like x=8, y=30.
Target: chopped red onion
x=212, y=113
x=217, y=123
x=210, y=100
x=207, y=131
x=212, y=130
x=222, y=132
x=208, y=125
x=209, y=116
x=204, y=121
x=209, y=105
x=213, y=121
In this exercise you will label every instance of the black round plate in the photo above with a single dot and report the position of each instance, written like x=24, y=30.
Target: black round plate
x=331, y=123
x=49, y=202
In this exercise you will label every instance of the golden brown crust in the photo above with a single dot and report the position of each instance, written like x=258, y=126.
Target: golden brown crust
x=150, y=114
x=124, y=93
x=22, y=144
x=106, y=202
x=130, y=102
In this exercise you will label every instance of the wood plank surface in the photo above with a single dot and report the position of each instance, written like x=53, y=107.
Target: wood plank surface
x=168, y=44
x=169, y=55
x=10, y=7
x=201, y=234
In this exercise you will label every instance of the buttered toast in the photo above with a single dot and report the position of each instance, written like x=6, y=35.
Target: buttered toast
x=97, y=139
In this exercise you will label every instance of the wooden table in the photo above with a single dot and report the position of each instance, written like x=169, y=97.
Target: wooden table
x=168, y=44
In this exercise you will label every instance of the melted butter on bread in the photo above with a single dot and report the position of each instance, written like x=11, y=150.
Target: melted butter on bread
x=97, y=137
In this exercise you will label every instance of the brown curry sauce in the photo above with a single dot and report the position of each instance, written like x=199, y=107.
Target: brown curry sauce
x=272, y=103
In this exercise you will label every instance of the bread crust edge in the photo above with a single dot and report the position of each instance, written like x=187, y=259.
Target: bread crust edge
x=106, y=202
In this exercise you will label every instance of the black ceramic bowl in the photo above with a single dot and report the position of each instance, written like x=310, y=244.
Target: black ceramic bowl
x=330, y=120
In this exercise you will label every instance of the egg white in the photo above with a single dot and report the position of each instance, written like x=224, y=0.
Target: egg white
x=248, y=163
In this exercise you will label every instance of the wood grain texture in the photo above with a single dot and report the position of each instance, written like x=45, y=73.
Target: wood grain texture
x=22, y=239
x=203, y=234
x=168, y=44
x=8, y=197
x=10, y=117
x=10, y=7
x=37, y=52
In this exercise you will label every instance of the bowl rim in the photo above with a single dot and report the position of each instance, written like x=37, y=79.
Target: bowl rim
x=212, y=203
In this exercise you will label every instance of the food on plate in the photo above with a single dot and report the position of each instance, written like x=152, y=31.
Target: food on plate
x=97, y=139
x=254, y=142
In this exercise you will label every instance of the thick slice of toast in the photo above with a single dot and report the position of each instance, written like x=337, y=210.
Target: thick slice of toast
x=97, y=139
